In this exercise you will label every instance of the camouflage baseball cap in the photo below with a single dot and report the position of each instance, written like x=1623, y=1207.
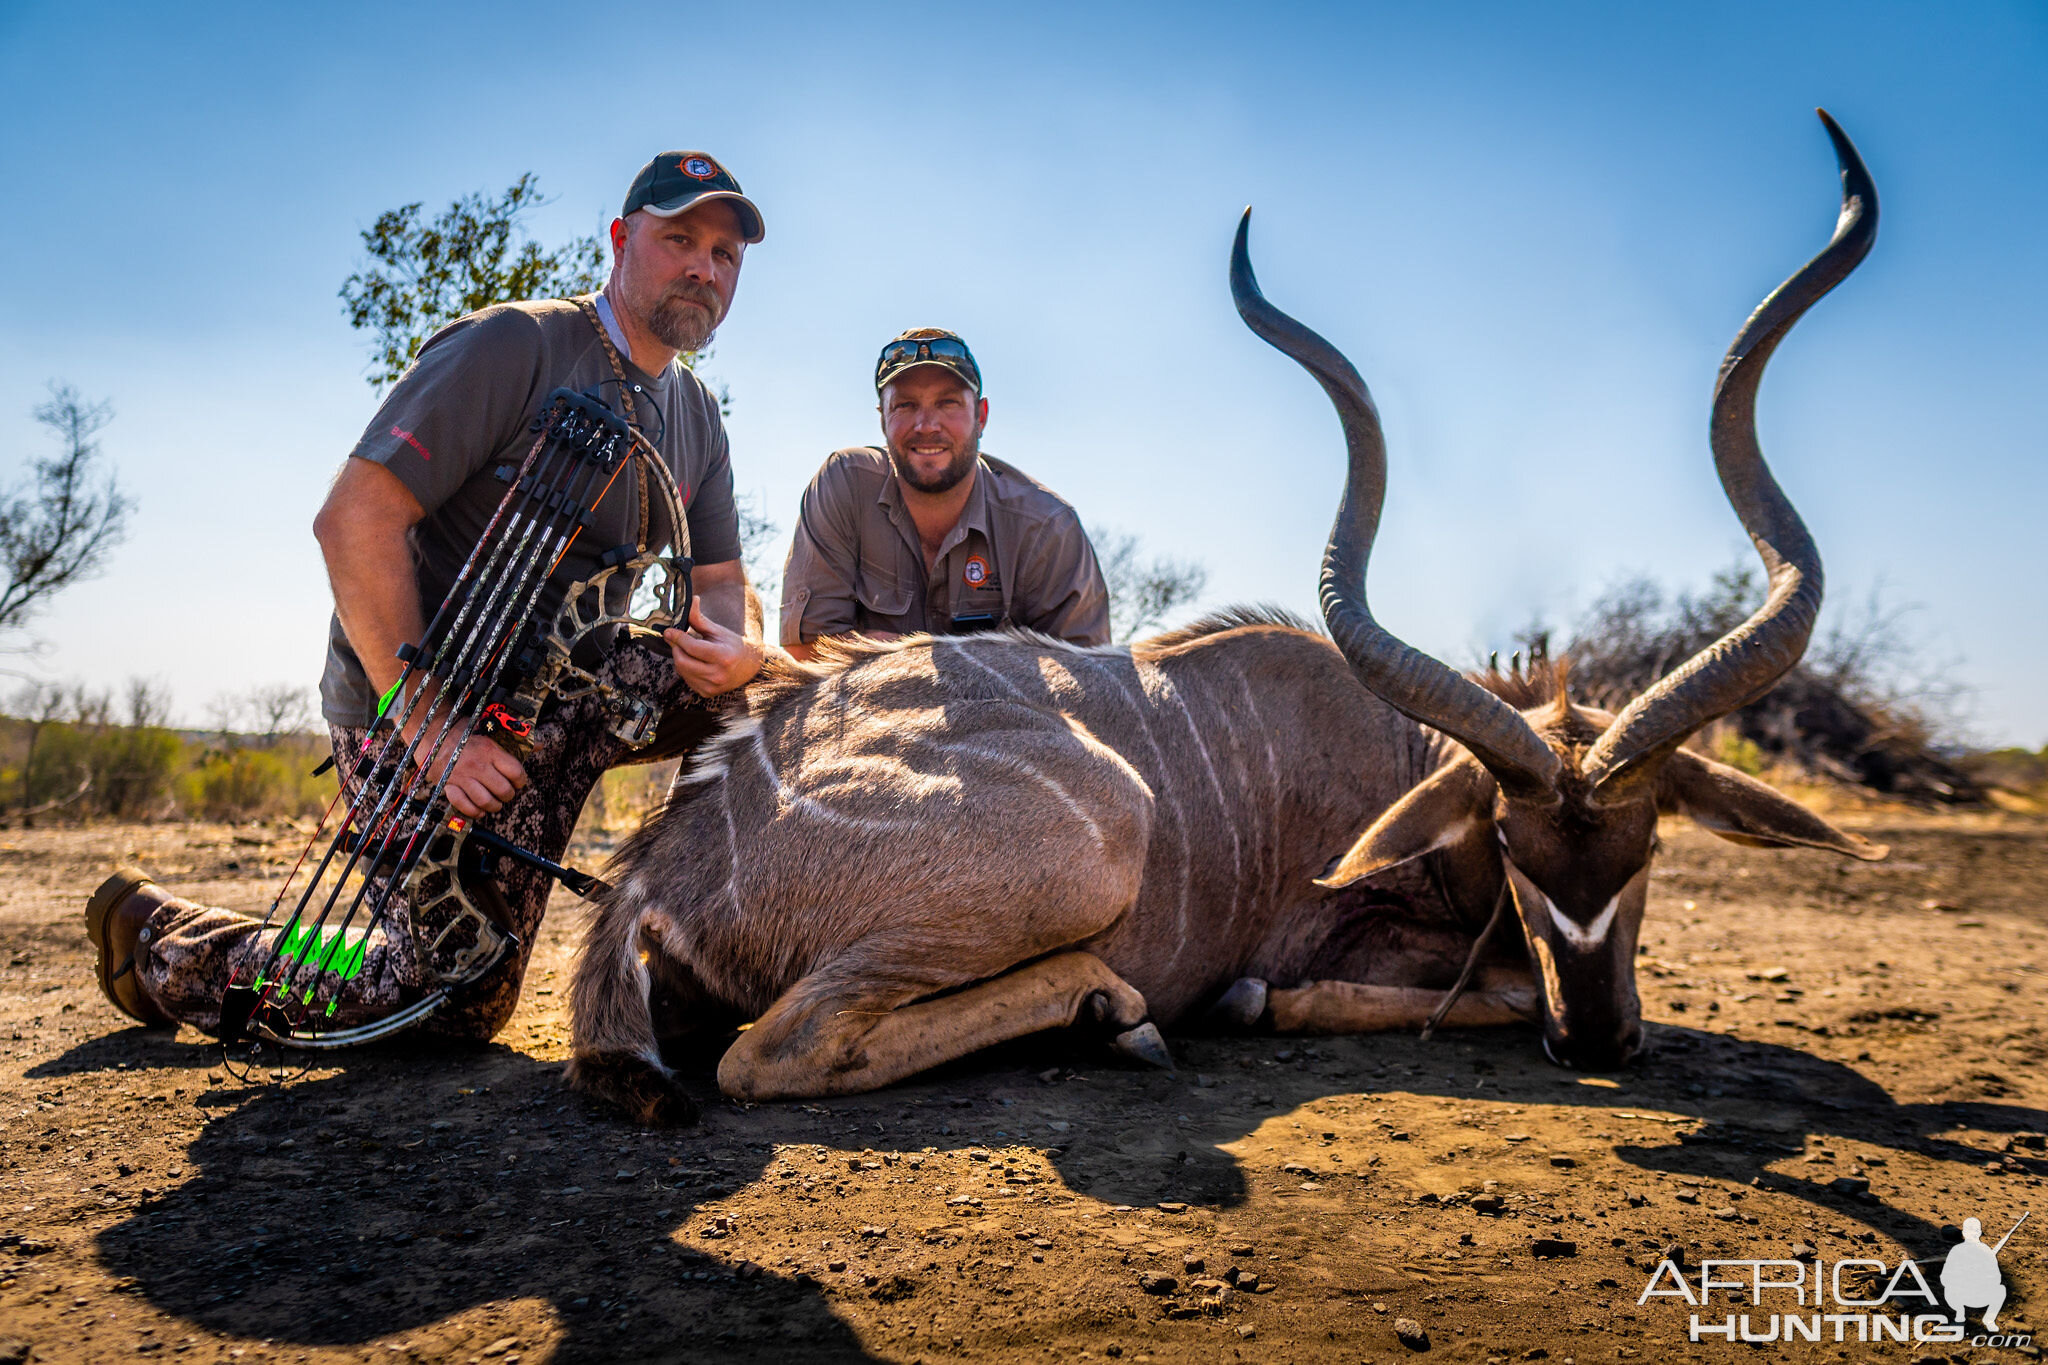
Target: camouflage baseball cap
x=675, y=181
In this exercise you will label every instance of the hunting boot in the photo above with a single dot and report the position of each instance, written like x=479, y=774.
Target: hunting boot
x=117, y=923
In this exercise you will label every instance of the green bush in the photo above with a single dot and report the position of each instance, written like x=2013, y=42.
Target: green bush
x=57, y=765
x=135, y=771
x=84, y=766
x=1739, y=753
x=251, y=784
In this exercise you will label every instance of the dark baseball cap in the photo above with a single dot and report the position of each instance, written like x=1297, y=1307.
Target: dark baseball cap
x=675, y=181
x=927, y=346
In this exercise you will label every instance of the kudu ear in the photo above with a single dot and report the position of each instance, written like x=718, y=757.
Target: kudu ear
x=1743, y=810
x=1444, y=808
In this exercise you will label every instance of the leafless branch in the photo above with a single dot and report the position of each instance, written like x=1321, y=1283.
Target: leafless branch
x=57, y=526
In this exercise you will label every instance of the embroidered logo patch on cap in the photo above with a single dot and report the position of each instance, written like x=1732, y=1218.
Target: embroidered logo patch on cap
x=698, y=167
x=976, y=572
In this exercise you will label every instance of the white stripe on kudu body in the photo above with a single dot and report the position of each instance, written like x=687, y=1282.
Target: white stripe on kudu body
x=960, y=646
x=1224, y=809
x=1270, y=806
x=1043, y=779
x=791, y=799
x=1165, y=787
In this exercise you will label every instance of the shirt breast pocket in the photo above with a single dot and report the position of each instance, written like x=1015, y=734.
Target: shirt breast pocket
x=977, y=602
x=882, y=597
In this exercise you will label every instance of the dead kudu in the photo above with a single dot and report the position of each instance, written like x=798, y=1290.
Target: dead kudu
x=910, y=851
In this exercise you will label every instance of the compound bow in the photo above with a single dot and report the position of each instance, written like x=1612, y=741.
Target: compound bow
x=488, y=663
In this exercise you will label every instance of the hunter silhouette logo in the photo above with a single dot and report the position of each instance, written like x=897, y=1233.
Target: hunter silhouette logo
x=1970, y=1276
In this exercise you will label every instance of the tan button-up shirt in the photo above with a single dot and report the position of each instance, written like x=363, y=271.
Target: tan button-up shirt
x=1017, y=556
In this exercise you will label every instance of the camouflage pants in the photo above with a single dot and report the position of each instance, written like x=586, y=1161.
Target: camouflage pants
x=197, y=950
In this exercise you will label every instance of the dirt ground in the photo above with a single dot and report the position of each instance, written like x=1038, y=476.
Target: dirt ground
x=1848, y=1057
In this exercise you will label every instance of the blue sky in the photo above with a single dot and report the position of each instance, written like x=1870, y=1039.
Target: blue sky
x=1533, y=228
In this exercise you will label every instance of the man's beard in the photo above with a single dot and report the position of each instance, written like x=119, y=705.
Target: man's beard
x=946, y=479
x=676, y=323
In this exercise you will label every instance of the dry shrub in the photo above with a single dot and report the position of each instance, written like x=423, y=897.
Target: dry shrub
x=1870, y=705
x=2017, y=778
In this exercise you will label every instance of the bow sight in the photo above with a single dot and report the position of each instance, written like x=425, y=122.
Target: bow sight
x=500, y=647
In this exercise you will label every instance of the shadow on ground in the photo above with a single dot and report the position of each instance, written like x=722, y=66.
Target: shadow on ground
x=386, y=1199
x=1756, y=1104
x=404, y=1191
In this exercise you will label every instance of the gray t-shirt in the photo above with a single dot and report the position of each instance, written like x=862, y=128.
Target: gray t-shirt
x=462, y=410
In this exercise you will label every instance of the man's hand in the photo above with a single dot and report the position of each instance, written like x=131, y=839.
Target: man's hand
x=485, y=777
x=711, y=658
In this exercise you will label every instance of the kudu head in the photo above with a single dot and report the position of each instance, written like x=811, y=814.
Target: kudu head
x=1560, y=802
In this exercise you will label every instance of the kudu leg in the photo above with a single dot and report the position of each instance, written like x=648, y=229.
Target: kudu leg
x=809, y=1045
x=616, y=1034
x=1348, y=1007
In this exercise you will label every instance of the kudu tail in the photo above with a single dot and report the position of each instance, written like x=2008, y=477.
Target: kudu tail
x=614, y=1055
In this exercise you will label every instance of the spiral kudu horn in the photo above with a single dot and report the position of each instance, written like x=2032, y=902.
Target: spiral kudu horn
x=1748, y=661
x=1404, y=677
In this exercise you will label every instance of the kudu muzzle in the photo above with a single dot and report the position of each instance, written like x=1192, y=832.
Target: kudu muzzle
x=1584, y=956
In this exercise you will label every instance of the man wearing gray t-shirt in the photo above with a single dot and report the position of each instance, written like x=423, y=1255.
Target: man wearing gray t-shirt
x=404, y=513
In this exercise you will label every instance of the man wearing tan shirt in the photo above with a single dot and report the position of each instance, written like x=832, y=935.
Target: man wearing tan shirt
x=932, y=534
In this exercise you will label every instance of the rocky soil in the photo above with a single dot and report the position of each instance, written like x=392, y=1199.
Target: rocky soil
x=1848, y=1064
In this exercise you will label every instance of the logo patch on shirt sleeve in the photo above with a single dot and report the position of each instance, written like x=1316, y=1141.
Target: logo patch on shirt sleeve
x=402, y=434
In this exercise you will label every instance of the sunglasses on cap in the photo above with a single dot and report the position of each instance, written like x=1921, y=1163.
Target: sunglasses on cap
x=948, y=352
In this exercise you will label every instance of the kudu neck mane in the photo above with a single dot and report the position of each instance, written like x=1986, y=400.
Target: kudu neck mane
x=1542, y=692
x=1545, y=683
x=782, y=678
x=1226, y=618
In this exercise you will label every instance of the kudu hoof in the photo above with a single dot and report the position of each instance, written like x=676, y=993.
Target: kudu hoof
x=633, y=1088
x=1143, y=1044
x=1240, y=1008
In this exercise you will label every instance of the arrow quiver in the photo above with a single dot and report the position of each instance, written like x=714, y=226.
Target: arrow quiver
x=502, y=647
